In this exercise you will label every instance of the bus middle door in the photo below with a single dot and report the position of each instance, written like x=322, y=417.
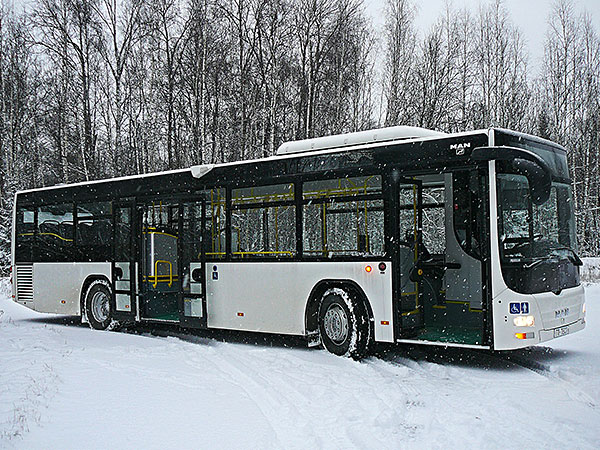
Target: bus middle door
x=192, y=261
x=123, y=265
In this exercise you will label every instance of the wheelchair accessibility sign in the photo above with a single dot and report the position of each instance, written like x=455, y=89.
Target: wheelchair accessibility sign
x=519, y=308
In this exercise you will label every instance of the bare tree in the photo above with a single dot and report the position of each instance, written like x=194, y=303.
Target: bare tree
x=400, y=59
x=121, y=22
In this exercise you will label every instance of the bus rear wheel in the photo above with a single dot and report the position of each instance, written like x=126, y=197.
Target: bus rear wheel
x=343, y=324
x=97, y=306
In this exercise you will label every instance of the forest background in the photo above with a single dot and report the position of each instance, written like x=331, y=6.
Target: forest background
x=92, y=89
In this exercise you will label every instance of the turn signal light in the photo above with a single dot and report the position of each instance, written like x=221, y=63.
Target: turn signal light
x=524, y=335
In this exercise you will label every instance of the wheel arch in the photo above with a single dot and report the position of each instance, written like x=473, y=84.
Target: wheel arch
x=84, y=288
x=311, y=313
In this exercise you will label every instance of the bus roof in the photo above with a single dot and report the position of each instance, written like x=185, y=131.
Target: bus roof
x=201, y=170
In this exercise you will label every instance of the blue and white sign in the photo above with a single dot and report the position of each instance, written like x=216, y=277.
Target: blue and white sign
x=519, y=308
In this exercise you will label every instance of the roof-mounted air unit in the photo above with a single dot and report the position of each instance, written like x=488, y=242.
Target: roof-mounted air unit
x=357, y=138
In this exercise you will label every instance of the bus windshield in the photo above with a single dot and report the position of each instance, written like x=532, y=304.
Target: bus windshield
x=536, y=241
x=535, y=231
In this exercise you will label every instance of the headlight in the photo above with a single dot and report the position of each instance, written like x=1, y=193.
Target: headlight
x=524, y=321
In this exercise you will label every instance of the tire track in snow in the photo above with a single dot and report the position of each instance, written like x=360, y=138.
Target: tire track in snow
x=292, y=388
x=574, y=392
x=469, y=395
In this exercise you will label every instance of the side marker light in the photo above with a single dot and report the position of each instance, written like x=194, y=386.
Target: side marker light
x=368, y=269
x=382, y=266
x=240, y=314
x=385, y=322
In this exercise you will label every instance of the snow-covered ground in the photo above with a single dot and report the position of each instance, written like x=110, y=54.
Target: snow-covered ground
x=65, y=386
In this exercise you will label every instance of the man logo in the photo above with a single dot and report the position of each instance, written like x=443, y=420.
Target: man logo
x=460, y=148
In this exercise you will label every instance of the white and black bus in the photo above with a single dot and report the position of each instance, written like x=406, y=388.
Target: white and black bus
x=399, y=235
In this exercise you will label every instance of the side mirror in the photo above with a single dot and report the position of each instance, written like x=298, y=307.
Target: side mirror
x=525, y=162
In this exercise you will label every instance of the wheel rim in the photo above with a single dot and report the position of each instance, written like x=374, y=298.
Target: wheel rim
x=336, y=324
x=100, y=306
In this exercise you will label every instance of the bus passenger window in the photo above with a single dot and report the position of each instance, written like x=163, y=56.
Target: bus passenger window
x=343, y=216
x=263, y=221
x=468, y=210
x=434, y=229
x=55, y=233
x=214, y=229
x=24, y=234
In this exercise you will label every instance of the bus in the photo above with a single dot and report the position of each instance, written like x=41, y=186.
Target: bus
x=393, y=235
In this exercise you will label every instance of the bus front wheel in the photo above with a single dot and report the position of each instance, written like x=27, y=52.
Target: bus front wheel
x=97, y=306
x=343, y=324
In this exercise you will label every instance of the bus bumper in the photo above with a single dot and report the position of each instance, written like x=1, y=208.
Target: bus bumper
x=547, y=335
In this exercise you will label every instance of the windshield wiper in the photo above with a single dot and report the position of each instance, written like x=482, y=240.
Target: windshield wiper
x=538, y=260
x=574, y=257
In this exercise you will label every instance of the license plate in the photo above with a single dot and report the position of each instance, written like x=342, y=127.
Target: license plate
x=558, y=332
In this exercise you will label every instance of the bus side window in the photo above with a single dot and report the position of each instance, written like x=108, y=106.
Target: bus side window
x=54, y=240
x=467, y=211
x=343, y=216
x=263, y=221
x=93, y=234
x=434, y=230
x=214, y=228
x=25, y=234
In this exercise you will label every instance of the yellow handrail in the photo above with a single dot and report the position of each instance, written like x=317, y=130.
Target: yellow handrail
x=156, y=271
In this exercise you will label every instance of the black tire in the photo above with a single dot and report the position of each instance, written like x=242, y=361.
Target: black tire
x=97, y=306
x=344, y=324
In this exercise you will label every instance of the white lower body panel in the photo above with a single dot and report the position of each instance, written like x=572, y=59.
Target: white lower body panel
x=550, y=312
x=57, y=286
x=272, y=297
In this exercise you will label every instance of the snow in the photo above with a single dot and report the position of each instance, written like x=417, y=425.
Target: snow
x=63, y=385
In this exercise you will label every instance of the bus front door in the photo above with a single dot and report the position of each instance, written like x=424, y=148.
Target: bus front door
x=123, y=266
x=409, y=254
x=192, y=259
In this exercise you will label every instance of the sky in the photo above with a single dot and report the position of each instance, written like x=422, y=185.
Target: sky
x=530, y=16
